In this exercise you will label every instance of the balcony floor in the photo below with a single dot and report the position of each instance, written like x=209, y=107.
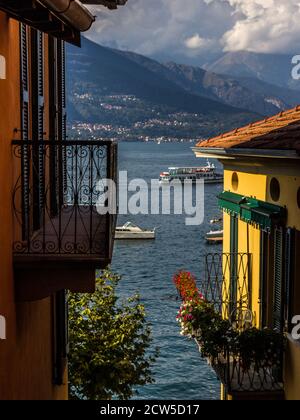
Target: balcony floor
x=78, y=235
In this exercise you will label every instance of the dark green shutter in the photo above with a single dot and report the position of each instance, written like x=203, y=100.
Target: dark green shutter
x=290, y=245
x=264, y=262
x=278, y=301
x=233, y=262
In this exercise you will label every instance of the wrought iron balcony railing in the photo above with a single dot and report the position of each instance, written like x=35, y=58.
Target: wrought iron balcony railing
x=57, y=189
x=265, y=378
x=228, y=285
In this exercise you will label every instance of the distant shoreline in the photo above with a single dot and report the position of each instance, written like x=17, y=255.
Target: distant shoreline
x=140, y=141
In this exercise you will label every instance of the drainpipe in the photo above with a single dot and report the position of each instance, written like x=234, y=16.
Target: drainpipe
x=72, y=11
x=59, y=6
x=111, y=4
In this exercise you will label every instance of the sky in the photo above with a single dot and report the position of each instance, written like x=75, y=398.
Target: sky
x=196, y=31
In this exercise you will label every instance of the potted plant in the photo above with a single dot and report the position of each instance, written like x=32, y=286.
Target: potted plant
x=251, y=348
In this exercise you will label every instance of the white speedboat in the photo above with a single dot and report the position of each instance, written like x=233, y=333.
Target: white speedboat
x=206, y=173
x=131, y=231
x=216, y=221
x=215, y=236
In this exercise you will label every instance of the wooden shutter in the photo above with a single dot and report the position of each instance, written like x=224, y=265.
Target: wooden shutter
x=40, y=112
x=57, y=117
x=24, y=83
x=64, y=114
x=63, y=91
x=52, y=117
x=61, y=118
x=278, y=296
x=40, y=84
x=37, y=106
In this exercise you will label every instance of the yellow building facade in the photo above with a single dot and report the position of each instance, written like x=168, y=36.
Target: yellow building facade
x=261, y=205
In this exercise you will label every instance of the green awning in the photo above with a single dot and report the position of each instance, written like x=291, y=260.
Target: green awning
x=250, y=210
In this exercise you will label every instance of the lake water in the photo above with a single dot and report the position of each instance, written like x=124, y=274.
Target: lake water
x=148, y=267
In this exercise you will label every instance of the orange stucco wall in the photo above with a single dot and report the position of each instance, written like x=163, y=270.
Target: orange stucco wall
x=26, y=354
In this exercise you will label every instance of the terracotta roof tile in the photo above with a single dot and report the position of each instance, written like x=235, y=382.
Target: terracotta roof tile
x=280, y=132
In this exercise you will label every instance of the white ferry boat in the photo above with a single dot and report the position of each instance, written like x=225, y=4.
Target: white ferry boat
x=131, y=231
x=208, y=173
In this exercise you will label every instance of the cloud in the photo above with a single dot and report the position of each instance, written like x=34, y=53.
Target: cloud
x=196, y=42
x=162, y=27
x=266, y=26
x=198, y=28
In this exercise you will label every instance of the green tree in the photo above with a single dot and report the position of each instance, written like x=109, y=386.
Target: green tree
x=109, y=342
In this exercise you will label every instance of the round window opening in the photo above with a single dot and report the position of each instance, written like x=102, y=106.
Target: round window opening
x=235, y=181
x=298, y=198
x=275, y=189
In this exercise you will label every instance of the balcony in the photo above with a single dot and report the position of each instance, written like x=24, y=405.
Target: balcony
x=228, y=285
x=256, y=381
x=60, y=237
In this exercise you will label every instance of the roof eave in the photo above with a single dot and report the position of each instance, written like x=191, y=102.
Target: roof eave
x=233, y=153
x=63, y=19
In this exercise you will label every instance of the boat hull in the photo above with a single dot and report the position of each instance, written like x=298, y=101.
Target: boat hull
x=134, y=236
x=215, y=237
x=206, y=181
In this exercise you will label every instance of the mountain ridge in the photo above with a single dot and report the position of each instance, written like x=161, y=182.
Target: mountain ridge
x=153, y=86
x=139, y=96
x=251, y=94
x=275, y=69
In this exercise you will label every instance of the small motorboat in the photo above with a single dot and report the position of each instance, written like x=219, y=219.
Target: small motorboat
x=215, y=236
x=131, y=231
x=216, y=221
